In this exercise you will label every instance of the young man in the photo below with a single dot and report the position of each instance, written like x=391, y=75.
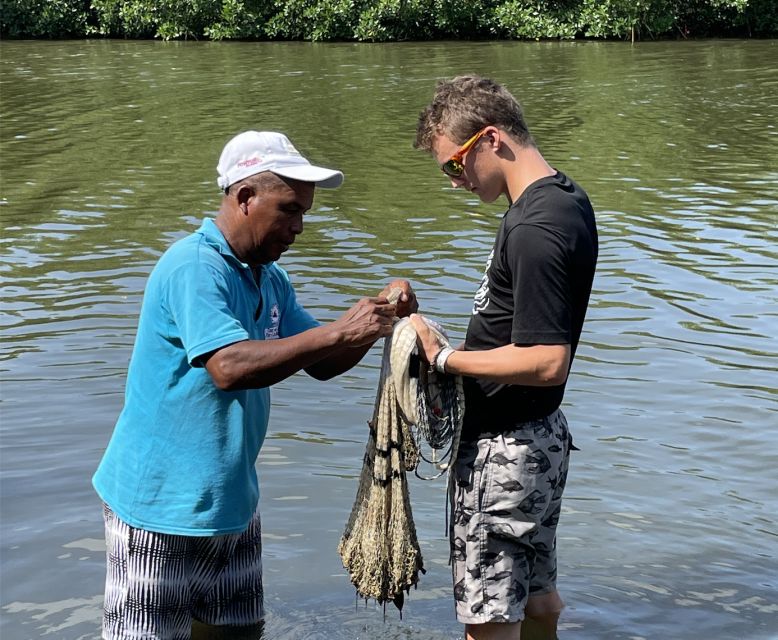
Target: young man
x=522, y=337
x=219, y=325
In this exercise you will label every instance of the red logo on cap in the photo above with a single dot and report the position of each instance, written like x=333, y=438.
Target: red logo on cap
x=250, y=162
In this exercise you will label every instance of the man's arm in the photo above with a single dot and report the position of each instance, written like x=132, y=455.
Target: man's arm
x=537, y=365
x=250, y=364
x=344, y=359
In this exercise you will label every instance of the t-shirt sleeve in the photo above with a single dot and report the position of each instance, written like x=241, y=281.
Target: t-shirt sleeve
x=294, y=319
x=542, y=312
x=197, y=297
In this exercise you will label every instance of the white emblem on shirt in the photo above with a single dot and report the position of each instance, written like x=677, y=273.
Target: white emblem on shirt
x=481, y=300
x=271, y=333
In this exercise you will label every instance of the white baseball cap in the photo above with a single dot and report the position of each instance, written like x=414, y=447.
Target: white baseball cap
x=253, y=152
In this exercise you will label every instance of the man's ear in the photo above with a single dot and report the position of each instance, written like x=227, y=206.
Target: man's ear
x=243, y=195
x=494, y=137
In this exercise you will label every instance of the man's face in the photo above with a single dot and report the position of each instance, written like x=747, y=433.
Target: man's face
x=276, y=218
x=478, y=176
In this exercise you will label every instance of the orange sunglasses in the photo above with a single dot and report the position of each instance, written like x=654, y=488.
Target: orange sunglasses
x=453, y=167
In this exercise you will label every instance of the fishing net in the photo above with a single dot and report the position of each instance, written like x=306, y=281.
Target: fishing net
x=415, y=410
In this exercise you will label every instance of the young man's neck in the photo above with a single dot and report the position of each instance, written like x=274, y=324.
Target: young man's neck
x=527, y=167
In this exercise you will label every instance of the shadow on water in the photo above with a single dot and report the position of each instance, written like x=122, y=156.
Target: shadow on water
x=669, y=526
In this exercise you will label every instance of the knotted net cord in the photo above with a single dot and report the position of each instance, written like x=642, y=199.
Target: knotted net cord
x=379, y=547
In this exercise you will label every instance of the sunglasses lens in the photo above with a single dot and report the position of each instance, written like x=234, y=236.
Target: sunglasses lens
x=452, y=168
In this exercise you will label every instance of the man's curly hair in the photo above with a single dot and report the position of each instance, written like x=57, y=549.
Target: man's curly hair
x=464, y=105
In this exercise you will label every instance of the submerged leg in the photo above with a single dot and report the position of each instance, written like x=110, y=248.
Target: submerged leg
x=202, y=631
x=542, y=616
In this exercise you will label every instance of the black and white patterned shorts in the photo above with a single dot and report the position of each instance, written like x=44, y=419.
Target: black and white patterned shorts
x=157, y=583
x=507, y=500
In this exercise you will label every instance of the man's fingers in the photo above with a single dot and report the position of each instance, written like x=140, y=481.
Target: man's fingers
x=418, y=323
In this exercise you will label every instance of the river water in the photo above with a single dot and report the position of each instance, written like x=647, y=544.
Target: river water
x=670, y=526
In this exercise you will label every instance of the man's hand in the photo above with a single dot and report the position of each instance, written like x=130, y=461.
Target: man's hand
x=407, y=303
x=367, y=321
x=428, y=342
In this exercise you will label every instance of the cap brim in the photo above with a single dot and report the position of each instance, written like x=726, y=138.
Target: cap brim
x=321, y=177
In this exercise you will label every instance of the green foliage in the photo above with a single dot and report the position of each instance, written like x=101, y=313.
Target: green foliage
x=533, y=20
x=314, y=20
x=601, y=19
x=169, y=19
x=652, y=17
x=387, y=20
x=744, y=17
x=455, y=18
x=240, y=20
x=44, y=18
x=186, y=18
x=761, y=18
x=395, y=20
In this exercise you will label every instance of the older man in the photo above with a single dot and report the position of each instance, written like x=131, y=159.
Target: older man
x=219, y=325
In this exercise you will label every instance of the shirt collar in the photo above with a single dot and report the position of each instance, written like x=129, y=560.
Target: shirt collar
x=214, y=237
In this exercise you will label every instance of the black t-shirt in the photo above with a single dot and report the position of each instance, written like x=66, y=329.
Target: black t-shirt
x=535, y=290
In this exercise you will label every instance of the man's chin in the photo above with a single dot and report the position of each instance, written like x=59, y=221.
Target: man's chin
x=267, y=259
x=274, y=253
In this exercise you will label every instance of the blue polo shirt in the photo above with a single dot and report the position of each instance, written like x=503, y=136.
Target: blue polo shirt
x=182, y=455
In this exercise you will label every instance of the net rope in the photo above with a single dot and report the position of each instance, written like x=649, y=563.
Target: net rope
x=415, y=409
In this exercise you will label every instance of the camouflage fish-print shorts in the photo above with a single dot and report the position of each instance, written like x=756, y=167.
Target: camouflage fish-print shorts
x=507, y=497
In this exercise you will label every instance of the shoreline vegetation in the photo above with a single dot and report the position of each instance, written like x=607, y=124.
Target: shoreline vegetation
x=388, y=20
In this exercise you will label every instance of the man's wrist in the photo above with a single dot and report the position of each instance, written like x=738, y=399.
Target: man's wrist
x=439, y=361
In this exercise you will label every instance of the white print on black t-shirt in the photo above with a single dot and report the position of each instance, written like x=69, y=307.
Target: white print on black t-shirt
x=481, y=300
